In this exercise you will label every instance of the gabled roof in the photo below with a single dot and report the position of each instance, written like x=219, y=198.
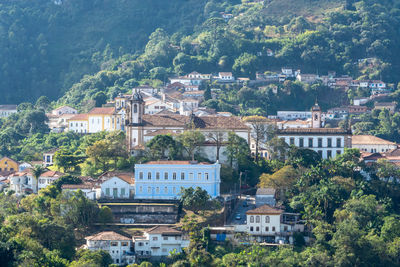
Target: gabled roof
x=162, y=132
x=128, y=177
x=102, y=111
x=107, y=236
x=163, y=230
x=369, y=140
x=55, y=174
x=265, y=209
x=265, y=191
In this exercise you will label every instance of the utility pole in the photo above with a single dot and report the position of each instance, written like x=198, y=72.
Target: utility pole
x=240, y=185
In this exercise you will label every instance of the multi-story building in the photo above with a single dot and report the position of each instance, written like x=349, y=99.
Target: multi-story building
x=79, y=123
x=117, y=245
x=293, y=115
x=159, y=241
x=164, y=179
x=47, y=178
x=327, y=142
x=372, y=144
x=7, y=110
x=269, y=224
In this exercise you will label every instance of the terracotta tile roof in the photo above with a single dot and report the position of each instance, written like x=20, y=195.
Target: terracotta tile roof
x=52, y=174
x=108, y=235
x=128, y=177
x=265, y=191
x=163, y=230
x=176, y=162
x=86, y=185
x=102, y=111
x=369, y=140
x=313, y=131
x=206, y=122
x=265, y=209
x=79, y=117
x=225, y=73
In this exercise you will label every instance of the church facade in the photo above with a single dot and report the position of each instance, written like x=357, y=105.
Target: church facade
x=141, y=128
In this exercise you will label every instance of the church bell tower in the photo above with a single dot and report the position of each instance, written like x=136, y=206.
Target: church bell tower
x=316, y=116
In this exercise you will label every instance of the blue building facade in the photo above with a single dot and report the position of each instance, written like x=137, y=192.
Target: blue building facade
x=164, y=179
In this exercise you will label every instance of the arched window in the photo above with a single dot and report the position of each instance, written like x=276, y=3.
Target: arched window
x=135, y=108
x=266, y=219
x=149, y=175
x=257, y=219
x=251, y=219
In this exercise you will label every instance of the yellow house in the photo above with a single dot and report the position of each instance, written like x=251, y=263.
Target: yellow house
x=7, y=164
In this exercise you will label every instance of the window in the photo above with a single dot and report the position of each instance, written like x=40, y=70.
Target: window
x=140, y=189
x=107, y=191
x=148, y=189
x=319, y=142
x=149, y=175
x=257, y=229
x=285, y=228
x=135, y=108
x=266, y=219
x=291, y=142
x=140, y=244
x=206, y=176
x=122, y=191
x=157, y=190
x=251, y=228
x=273, y=228
x=141, y=175
x=301, y=142
x=329, y=142
x=155, y=238
x=251, y=219
x=174, y=190
x=164, y=250
x=166, y=190
x=320, y=153
x=114, y=244
x=166, y=175
x=257, y=219
x=182, y=176
x=124, y=244
x=174, y=176
x=191, y=175
x=338, y=142
x=267, y=229
x=157, y=175
x=329, y=154
x=165, y=238
x=199, y=175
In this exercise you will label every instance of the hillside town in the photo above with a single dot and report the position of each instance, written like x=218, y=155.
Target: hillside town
x=150, y=195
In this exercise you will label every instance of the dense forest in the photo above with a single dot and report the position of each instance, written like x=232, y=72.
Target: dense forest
x=48, y=46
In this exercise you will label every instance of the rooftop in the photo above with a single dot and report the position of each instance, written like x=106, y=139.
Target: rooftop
x=369, y=140
x=265, y=191
x=314, y=131
x=128, y=177
x=102, y=111
x=163, y=230
x=176, y=162
x=108, y=235
x=79, y=117
x=52, y=174
x=265, y=209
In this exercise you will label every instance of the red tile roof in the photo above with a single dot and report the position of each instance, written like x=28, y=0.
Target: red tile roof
x=314, y=131
x=102, y=111
x=128, y=177
x=369, y=140
x=52, y=174
x=79, y=117
x=176, y=162
x=163, y=230
x=107, y=236
x=265, y=209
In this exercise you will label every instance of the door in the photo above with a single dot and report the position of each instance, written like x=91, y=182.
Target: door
x=115, y=192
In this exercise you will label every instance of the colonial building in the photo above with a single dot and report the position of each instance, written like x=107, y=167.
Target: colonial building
x=117, y=185
x=118, y=246
x=265, y=196
x=372, y=144
x=24, y=181
x=269, y=224
x=140, y=128
x=327, y=142
x=164, y=179
x=159, y=241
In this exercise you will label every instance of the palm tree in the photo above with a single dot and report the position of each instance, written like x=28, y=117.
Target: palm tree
x=37, y=171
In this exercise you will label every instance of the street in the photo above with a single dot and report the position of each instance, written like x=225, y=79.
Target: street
x=241, y=210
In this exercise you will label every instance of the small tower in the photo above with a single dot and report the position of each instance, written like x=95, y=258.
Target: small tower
x=316, y=116
x=136, y=108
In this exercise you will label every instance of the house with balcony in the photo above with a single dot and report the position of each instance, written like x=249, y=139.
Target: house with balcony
x=118, y=246
x=271, y=225
x=159, y=241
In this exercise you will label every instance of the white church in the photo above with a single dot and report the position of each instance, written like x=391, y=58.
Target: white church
x=141, y=128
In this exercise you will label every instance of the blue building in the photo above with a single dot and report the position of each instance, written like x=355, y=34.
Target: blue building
x=164, y=179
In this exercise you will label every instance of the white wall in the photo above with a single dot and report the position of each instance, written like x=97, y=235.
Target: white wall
x=115, y=185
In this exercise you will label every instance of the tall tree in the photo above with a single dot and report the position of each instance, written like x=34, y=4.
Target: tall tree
x=191, y=141
x=261, y=131
x=37, y=171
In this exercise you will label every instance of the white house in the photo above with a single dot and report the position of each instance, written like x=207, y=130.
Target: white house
x=271, y=225
x=307, y=78
x=48, y=157
x=226, y=77
x=7, y=110
x=117, y=185
x=48, y=177
x=118, y=246
x=21, y=182
x=79, y=123
x=164, y=179
x=159, y=241
x=373, y=144
x=23, y=166
x=91, y=190
x=265, y=196
x=63, y=110
x=293, y=115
